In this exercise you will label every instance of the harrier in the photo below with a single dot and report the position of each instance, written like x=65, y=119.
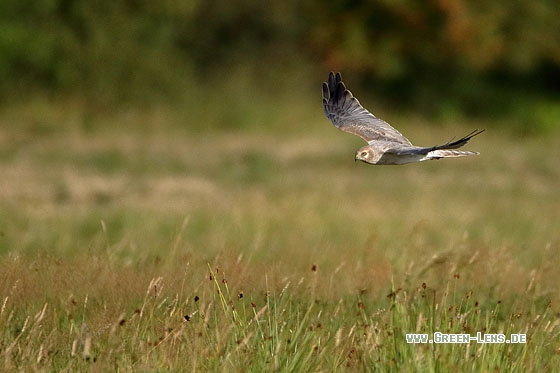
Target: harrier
x=385, y=145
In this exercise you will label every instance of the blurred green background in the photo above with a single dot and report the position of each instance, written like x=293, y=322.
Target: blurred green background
x=443, y=59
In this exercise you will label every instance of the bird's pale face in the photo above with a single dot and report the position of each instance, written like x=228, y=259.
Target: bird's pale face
x=364, y=154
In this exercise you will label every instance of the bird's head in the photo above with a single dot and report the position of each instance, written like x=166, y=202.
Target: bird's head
x=364, y=154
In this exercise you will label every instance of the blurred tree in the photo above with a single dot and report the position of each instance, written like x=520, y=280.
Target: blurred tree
x=470, y=56
x=439, y=50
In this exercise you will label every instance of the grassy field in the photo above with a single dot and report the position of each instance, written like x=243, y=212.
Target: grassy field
x=134, y=242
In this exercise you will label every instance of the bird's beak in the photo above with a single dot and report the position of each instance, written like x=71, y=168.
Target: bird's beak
x=356, y=157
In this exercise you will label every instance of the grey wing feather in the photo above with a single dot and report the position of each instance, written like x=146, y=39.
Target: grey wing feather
x=346, y=113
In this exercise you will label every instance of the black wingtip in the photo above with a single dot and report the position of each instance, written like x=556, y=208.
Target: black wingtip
x=334, y=89
x=334, y=79
x=326, y=92
x=466, y=138
x=474, y=133
x=458, y=143
x=338, y=77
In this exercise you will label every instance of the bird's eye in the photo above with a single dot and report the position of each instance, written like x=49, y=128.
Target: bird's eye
x=364, y=154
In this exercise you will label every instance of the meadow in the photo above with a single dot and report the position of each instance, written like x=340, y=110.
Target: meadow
x=133, y=241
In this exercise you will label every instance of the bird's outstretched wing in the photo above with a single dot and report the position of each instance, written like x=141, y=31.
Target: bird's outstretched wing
x=458, y=143
x=447, y=146
x=346, y=113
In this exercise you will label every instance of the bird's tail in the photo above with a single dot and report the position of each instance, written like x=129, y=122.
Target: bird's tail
x=447, y=153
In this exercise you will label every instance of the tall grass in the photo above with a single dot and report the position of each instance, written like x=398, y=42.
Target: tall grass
x=219, y=328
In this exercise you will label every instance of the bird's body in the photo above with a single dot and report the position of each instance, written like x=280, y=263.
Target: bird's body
x=385, y=145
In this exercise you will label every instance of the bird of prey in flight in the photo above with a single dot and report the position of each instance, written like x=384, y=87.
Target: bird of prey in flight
x=385, y=145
